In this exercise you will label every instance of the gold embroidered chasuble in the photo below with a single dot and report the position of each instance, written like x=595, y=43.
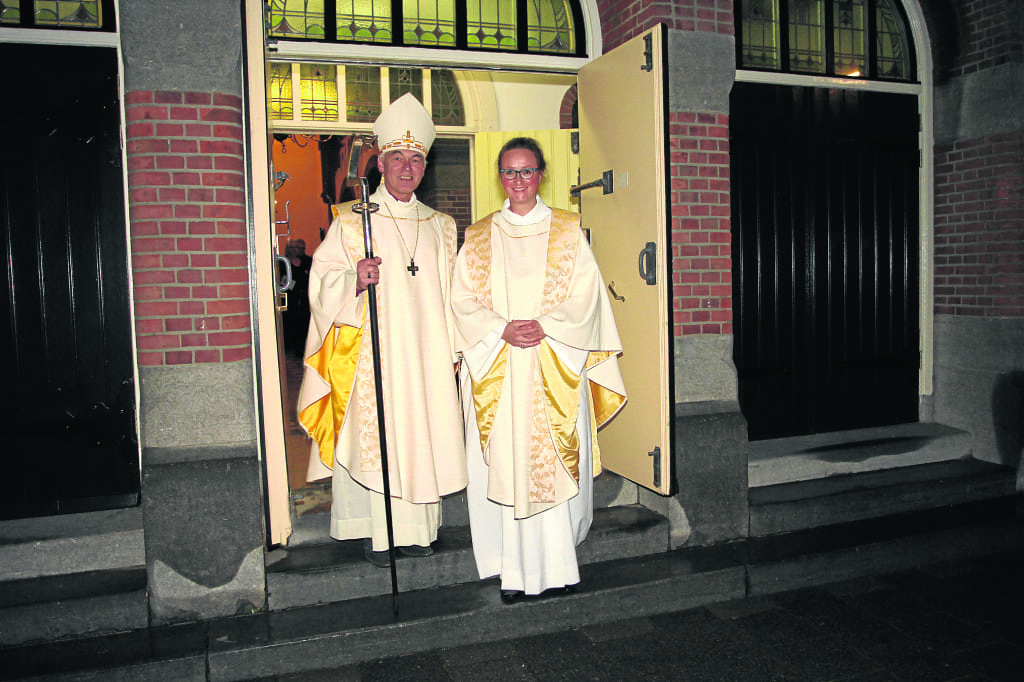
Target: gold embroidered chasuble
x=337, y=401
x=527, y=401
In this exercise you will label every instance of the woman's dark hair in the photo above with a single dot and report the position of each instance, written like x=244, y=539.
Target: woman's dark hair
x=530, y=145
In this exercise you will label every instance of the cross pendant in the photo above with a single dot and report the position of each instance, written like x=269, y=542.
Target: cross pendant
x=413, y=268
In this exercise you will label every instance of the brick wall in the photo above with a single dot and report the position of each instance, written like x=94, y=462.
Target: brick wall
x=567, y=118
x=701, y=240
x=991, y=33
x=188, y=228
x=698, y=173
x=625, y=19
x=979, y=226
x=456, y=202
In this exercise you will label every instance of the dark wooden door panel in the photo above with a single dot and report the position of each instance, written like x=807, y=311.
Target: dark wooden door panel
x=67, y=434
x=825, y=223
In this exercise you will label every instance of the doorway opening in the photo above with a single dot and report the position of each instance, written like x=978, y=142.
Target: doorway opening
x=314, y=173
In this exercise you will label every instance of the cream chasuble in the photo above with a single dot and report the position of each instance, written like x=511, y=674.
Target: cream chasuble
x=532, y=414
x=337, y=401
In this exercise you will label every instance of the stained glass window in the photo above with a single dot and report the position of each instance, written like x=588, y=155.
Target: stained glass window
x=491, y=24
x=807, y=36
x=849, y=25
x=549, y=27
x=760, y=29
x=401, y=81
x=891, y=43
x=320, y=100
x=445, y=99
x=68, y=14
x=58, y=14
x=366, y=21
x=523, y=26
x=428, y=23
x=362, y=93
x=10, y=12
x=297, y=18
x=826, y=37
x=319, y=87
x=281, y=91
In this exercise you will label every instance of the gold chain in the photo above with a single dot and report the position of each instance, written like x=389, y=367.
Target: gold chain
x=413, y=268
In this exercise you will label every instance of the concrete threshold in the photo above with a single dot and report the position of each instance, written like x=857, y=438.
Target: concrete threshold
x=801, y=458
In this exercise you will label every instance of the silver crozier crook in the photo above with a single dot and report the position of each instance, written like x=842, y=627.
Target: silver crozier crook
x=366, y=208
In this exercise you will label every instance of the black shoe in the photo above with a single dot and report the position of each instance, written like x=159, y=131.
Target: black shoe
x=512, y=596
x=559, y=591
x=416, y=550
x=378, y=559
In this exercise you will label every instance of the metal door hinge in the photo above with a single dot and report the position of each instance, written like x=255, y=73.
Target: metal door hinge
x=656, y=465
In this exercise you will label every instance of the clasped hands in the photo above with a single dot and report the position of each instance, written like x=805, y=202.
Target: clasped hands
x=523, y=333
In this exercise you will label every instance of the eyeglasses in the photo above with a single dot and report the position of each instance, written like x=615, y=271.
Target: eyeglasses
x=511, y=173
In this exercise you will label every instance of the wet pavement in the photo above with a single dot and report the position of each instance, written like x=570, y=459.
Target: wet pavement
x=935, y=596
x=961, y=621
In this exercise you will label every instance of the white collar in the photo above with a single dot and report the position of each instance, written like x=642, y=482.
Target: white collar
x=400, y=209
x=538, y=213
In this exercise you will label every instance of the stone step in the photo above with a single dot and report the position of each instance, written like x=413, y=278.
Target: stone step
x=821, y=502
x=72, y=575
x=336, y=571
x=305, y=639
x=820, y=455
x=71, y=605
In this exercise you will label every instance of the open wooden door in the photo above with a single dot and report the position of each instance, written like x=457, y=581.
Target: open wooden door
x=266, y=317
x=622, y=138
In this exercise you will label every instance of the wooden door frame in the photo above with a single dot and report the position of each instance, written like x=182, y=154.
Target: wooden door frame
x=267, y=379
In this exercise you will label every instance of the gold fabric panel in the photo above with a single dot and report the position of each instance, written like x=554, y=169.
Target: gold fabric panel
x=606, y=402
x=486, y=392
x=335, y=362
x=562, y=400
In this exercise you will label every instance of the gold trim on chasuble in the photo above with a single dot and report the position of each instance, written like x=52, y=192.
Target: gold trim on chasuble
x=553, y=437
x=345, y=364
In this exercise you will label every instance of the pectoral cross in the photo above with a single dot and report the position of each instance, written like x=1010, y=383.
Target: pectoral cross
x=413, y=268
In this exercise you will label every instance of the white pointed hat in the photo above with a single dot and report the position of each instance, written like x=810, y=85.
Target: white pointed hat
x=405, y=125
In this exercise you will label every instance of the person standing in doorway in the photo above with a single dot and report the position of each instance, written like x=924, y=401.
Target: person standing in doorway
x=296, y=315
x=414, y=249
x=536, y=333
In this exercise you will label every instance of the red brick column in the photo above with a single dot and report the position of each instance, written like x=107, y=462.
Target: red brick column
x=625, y=19
x=979, y=226
x=565, y=111
x=701, y=210
x=187, y=215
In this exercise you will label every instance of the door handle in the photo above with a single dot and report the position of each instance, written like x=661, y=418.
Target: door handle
x=285, y=283
x=648, y=263
x=606, y=183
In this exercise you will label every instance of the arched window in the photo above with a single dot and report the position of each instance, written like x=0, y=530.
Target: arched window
x=517, y=26
x=865, y=39
x=95, y=15
x=329, y=94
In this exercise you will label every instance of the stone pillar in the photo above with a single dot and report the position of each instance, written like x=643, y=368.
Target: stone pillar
x=979, y=225
x=201, y=493
x=711, y=433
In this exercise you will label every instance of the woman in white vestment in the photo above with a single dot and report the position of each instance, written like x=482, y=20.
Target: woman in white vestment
x=539, y=345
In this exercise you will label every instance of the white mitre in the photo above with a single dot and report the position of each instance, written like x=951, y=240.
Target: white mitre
x=405, y=125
